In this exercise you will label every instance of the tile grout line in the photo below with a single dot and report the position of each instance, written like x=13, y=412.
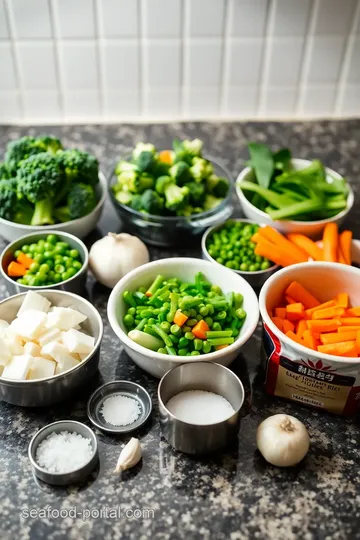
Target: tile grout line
x=266, y=55
x=98, y=54
x=15, y=58
x=224, y=77
x=348, y=49
x=142, y=63
x=183, y=55
x=304, y=70
x=58, y=70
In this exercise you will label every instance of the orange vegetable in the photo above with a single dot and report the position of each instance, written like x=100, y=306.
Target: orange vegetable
x=280, y=241
x=180, y=319
x=278, y=322
x=289, y=300
x=288, y=326
x=294, y=337
x=309, y=312
x=350, y=321
x=280, y=312
x=339, y=349
x=358, y=342
x=325, y=325
x=345, y=240
x=256, y=238
x=342, y=300
x=25, y=260
x=148, y=294
x=340, y=256
x=330, y=242
x=301, y=328
x=354, y=311
x=200, y=329
x=343, y=329
x=309, y=340
x=300, y=294
x=219, y=347
x=295, y=312
x=338, y=337
x=16, y=269
x=328, y=313
x=307, y=245
x=166, y=156
x=274, y=253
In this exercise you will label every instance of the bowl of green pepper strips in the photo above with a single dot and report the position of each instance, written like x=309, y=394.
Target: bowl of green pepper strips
x=180, y=310
x=230, y=245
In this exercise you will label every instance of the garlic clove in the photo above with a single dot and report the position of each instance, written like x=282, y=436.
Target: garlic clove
x=130, y=455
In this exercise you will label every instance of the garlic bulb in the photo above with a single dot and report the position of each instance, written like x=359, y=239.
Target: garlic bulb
x=283, y=440
x=115, y=255
x=130, y=455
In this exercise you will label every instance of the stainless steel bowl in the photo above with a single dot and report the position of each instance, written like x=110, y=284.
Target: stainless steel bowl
x=255, y=279
x=43, y=392
x=200, y=439
x=62, y=479
x=75, y=284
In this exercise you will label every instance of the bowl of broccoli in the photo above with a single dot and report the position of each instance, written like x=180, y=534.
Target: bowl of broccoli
x=168, y=197
x=45, y=186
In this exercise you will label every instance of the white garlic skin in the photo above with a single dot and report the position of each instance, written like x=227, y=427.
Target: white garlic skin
x=283, y=440
x=130, y=455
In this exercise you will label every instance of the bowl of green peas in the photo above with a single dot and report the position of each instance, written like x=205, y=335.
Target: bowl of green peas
x=175, y=311
x=229, y=244
x=51, y=260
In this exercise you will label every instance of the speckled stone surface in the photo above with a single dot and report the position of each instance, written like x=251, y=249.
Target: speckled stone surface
x=232, y=496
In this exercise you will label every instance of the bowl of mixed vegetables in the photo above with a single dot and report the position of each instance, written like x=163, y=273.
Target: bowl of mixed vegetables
x=180, y=310
x=44, y=186
x=293, y=195
x=167, y=197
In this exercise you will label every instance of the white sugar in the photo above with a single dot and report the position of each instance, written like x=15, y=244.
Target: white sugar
x=120, y=410
x=63, y=452
x=200, y=407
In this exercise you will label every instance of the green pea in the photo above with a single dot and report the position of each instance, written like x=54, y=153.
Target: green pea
x=216, y=326
x=44, y=268
x=176, y=330
x=151, y=321
x=59, y=268
x=51, y=238
x=194, y=353
x=265, y=265
x=191, y=322
x=48, y=246
x=48, y=254
x=183, y=342
x=16, y=254
x=198, y=344
x=204, y=311
x=209, y=321
x=74, y=253
x=78, y=265
x=59, y=249
x=65, y=275
x=21, y=281
x=25, y=248
x=32, y=248
x=34, y=267
x=220, y=260
x=165, y=326
x=186, y=328
x=162, y=350
x=129, y=320
x=69, y=263
x=244, y=267
x=174, y=339
x=189, y=335
x=57, y=278
x=183, y=352
x=252, y=268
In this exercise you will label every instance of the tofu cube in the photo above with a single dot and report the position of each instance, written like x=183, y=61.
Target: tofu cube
x=4, y=349
x=59, y=353
x=50, y=334
x=41, y=368
x=3, y=326
x=14, y=344
x=34, y=301
x=29, y=324
x=66, y=363
x=32, y=349
x=78, y=342
x=64, y=318
x=18, y=367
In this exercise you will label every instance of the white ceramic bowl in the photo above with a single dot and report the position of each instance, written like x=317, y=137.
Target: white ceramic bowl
x=309, y=228
x=158, y=364
x=78, y=227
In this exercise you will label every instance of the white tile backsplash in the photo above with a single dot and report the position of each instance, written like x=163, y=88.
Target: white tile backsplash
x=88, y=60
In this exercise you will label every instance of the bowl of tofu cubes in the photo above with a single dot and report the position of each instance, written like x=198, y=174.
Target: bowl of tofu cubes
x=49, y=346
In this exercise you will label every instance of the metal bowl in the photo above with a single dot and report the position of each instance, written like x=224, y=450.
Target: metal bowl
x=255, y=279
x=43, y=392
x=62, y=479
x=75, y=284
x=173, y=230
x=193, y=438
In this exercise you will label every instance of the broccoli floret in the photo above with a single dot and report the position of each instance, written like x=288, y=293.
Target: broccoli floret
x=39, y=182
x=81, y=200
x=124, y=197
x=216, y=185
x=25, y=147
x=79, y=166
x=200, y=169
x=211, y=202
x=144, y=161
x=143, y=147
x=50, y=144
x=136, y=202
x=162, y=182
x=152, y=203
x=160, y=168
x=187, y=150
x=124, y=166
x=4, y=172
x=197, y=193
x=176, y=196
x=8, y=198
x=180, y=172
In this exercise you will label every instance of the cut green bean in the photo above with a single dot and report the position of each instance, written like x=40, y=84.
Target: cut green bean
x=141, y=324
x=171, y=350
x=221, y=341
x=173, y=307
x=155, y=285
x=145, y=340
x=160, y=332
x=219, y=333
x=129, y=299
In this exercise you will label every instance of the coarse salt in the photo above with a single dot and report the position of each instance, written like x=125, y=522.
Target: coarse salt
x=200, y=407
x=64, y=452
x=120, y=410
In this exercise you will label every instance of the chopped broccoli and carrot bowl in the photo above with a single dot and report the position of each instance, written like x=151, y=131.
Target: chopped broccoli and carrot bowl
x=184, y=319
x=178, y=182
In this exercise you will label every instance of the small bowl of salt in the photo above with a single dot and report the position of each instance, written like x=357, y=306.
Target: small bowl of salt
x=63, y=452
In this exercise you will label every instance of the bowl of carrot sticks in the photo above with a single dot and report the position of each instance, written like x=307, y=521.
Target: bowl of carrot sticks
x=311, y=318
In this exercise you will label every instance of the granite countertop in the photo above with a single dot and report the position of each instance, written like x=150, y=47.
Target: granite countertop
x=235, y=495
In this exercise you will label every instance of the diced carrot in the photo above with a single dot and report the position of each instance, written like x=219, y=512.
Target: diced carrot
x=289, y=300
x=166, y=156
x=219, y=347
x=328, y=313
x=354, y=311
x=307, y=245
x=180, y=319
x=350, y=321
x=300, y=294
x=329, y=303
x=16, y=269
x=330, y=242
x=256, y=238
x=278, y=322
x=295, y=312
x=200, y=329
x=338, y=337
x=324, y=325
x=148, y=294
x=342, y=300
x=294, y=337
x=24, y=260
x=345, y=241
x=309, y=340
x=280, y=312
x=339, y=349
x=281, y=241
x=288, y=326
x=301, y=327
x=274, y=253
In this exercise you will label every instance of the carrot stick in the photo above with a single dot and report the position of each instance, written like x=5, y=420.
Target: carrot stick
x=330, y=242
x=180, y=319
x=343, y=329
x=354, y=311
x=289, y=300
x=200, y=329
x=280, y=312
x=295, y=312
x=358, y=342
x=339, y=349
x=307, y=245
x=345, y=240
x=324, y=325
x=309, y=340
x=274, y=253
x=294, y=337
x=301, y=328
x=342, y=300
x=279, y=240
x=350, y=321
x=311, y=311
x=278, y=322
x=16, y=270
x=288, y=326
x=340, y=256
x=338, y=337
x=328, y=313
x=298, y=293
x=25, y=260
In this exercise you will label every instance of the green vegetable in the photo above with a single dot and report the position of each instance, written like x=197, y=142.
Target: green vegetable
x=145, y=340
x=151, y=202
x=262, y=162
x=25, y=147
x=79, y=166
x=81, y=200
x=175, y=196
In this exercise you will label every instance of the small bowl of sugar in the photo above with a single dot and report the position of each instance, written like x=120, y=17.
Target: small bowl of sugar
x=199, y=405
x=63, y=452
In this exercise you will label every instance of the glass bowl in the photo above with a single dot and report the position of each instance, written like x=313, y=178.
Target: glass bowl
x=173, y=230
